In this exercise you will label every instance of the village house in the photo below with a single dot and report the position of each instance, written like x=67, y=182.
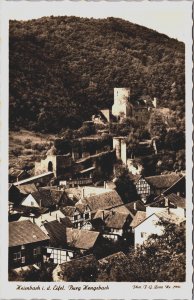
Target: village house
x=172, y=201
x=26, y=244
x=144, y=225
x=58, y=195
x=67, y=243
x=102, y=201
x=116, y=225
x=78, y=214
x=57, y=251
x=156, y=185
x=41, y=198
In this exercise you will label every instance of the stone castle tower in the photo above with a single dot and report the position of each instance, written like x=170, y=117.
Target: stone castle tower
x=121, y=106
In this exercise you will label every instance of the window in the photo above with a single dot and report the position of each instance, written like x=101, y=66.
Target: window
x=143, y=234
x=23, y=260
x=17, y=256
x=32, y=203
x=36, y=251
x=75, y=217
x=87, y=216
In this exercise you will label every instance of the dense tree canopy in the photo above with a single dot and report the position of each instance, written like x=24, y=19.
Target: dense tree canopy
x=63, y=69
x=162, y=258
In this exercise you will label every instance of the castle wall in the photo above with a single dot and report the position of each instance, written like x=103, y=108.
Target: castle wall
x=45, y=165
x=124, y=152
x=117, y=147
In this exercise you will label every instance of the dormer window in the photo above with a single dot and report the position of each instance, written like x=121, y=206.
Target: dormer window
x=23, y=247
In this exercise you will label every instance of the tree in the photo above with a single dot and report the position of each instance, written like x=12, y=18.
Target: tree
x=124, y=185
x=132, y=142
x=175, y=140
x=157, y=128
x=161, y=258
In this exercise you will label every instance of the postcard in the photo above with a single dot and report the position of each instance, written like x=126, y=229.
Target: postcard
x=96, y=150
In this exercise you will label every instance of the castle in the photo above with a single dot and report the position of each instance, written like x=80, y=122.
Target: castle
x=123, y=107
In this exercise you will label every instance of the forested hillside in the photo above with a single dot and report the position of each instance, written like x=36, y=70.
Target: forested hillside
x=62, y=69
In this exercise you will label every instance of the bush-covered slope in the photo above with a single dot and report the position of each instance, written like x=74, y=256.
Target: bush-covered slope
x=62, y=69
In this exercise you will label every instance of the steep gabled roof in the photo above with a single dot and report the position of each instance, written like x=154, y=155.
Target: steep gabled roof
x=163, y=181
x=68, y=211
x=173, y=199
x=116, y=220
x=56, y=232
x=170, y=217
x=27, y=188
x=25, y=232
x=80, y=207
x=135, y=206
x=43, y=198
x=75, y=192
x=139, y=218
x=103, y=201
x=81, y=239
x=66, y=221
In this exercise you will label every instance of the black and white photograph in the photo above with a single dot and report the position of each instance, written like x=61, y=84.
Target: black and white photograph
x=99, y=187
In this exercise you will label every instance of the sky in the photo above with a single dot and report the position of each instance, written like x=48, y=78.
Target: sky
x=168, y=17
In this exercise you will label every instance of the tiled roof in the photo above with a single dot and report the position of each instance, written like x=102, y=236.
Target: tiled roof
x=170, y=217
x=176, y=200
x=43, y=198
x=81, y=239
x=25, y=232
x=121, y=209
x=135, y=206
x=30, y=211
x=68, y=211
x=101, y=214
x=173, y=199
x=27, y=188
x=163, y=181
x=103, y=201
x=139, y=217
x=66, y=221
x=59, y=196
x=80, y=207
x=56, y=232
x=116, y=220
x=76, y=192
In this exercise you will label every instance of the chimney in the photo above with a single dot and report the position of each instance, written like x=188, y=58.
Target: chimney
x=82, y=193
x=103, y=215
x=56, y=217
x=40, y=202
x=166, y=202
x=154, y=102
x=50, y=213
x=134, y=206
x=104, y=184
x=178, y=193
